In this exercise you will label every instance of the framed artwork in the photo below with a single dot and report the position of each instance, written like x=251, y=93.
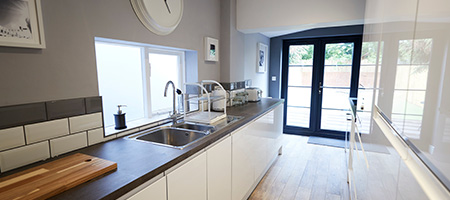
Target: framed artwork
x=21, y=24
x=262, y=58
x=211, y=49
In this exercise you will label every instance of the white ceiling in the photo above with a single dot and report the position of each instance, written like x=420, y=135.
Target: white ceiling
x=275, y=18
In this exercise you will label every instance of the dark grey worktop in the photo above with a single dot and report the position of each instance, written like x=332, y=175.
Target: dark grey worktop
x=138, y=162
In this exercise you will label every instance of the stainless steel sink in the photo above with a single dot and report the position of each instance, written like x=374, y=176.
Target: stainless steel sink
x=182, y=134
x=197, y=127
x=170, y=136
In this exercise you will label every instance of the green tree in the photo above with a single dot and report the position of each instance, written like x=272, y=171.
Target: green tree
x=339, y=54
x=336, y=54
x=301, y=54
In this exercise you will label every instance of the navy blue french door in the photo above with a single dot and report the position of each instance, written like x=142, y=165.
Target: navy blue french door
x=318, y=77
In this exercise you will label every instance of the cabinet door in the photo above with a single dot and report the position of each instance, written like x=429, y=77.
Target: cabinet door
x=243, y=172
x=155, y=191
x=266, y=131
x=188, y=181
x=219, y=170
x=259, y=132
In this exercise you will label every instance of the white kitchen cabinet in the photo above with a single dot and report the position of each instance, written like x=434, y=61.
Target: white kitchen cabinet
x=229, y=169
x=243, y=171
x=219, y=170
x=155, y=191
x=266, y=132
x=188, y=182
x=260, y=155
x=413, y=59
x=254, y=148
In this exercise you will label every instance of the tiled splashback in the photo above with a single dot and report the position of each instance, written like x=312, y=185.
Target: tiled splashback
x=38, y=131
x=236, y=85
x=191, y=89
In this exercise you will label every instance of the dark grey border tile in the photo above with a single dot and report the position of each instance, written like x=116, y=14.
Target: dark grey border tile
x=226, y=86
x=18, y=115
x=240, y=84
x=65, y=108
x=94, y=104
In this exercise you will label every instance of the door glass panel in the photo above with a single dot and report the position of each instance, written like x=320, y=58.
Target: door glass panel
x=299, y=97
x=297, y=116
x=335, y=98
x=338, y=65
x=336, y=86
x=335, y=106
x=299, y=85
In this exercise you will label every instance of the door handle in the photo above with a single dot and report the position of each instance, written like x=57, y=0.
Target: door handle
x=320, y=87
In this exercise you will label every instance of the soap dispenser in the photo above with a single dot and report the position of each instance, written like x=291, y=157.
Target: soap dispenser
x=180, y=101
x=119, y=118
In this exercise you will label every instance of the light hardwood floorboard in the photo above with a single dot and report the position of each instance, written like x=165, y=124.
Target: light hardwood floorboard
x=305, y=171
x=316, y=172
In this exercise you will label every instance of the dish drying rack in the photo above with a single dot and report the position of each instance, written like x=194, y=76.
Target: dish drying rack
x=201, y=116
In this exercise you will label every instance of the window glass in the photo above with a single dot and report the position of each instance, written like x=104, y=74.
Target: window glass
x=163, y=67
x=119, y=70
x=124, y=79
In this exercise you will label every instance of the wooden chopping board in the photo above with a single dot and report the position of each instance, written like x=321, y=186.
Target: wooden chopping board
x=55, y=177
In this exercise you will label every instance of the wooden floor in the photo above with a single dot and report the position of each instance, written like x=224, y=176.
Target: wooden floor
x=305, y=171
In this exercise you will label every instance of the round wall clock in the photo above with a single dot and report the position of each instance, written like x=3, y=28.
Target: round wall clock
x=159, y=16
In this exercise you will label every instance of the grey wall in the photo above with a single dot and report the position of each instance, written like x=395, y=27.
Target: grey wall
x=276, y=47
x=232, y=45
x=224, y=43
x=260, y=80
x=67, y=67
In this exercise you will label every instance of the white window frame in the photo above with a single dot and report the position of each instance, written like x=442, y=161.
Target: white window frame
x=146, y=49
x=147, y=79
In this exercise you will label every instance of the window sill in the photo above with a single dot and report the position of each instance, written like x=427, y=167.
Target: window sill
x=137, y=125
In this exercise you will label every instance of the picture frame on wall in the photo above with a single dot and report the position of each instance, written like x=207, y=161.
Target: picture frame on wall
x=21, y=24
x=211, y=49
x=262, y=58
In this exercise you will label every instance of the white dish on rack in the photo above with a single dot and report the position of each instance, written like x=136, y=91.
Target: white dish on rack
x=205, y=117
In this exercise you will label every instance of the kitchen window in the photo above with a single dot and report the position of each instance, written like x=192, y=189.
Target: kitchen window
x=135, y=75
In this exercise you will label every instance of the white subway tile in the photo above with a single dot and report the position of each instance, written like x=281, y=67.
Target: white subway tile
x=22, y=156
x=95, y=136
x=46, y=130
x=69, y=143
x=11, y=137
x=85, y=122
